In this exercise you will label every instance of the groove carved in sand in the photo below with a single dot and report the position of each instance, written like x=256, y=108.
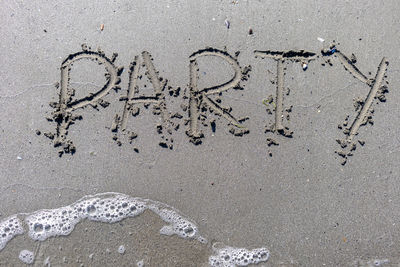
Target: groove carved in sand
x=280, y=57
x=350, y=67
x=364, y=114
x=133, y=99
x=199, y=98
x=63, y=114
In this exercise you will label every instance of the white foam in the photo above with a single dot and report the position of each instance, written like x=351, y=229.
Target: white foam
x=140, y=263
x=9, y=228
x=106, y=207
x=47, y=223
x=178, y=225
x=231, y=257
x=112, y=208
x=26, y=256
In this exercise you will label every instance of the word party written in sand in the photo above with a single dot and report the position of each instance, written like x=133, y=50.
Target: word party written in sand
x=202, y=107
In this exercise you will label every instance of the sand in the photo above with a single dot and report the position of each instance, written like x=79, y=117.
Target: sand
x=270, y=125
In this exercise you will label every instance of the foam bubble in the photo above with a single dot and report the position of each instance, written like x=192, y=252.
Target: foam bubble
x=370, y=263
x=26, y=256
x=9, y=228
x=57, y=222
x=121, y=249
x=230, y=256
x=107, y=207
x=377, y=262
x=177, y=224
x=140, y=263
x=112, y=208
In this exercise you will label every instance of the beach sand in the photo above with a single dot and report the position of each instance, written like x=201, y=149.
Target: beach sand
x=322, y=190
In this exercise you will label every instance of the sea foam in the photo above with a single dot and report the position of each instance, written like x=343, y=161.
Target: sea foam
x=112, y=208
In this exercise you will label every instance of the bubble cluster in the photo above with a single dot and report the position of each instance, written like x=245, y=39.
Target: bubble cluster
x=177, y=224
x=105, y=207
x=111, y=208
x=230, y=257
x=46, y=223
x=9, y=228
x=26, y=256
